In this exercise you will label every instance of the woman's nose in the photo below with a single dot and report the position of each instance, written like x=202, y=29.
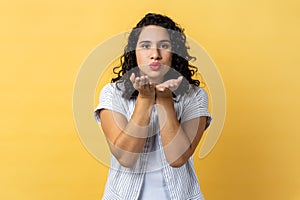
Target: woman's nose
x=155, y=54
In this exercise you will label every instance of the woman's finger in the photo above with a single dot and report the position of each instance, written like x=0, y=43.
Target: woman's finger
x=146, y=80
x=138, y=81
x=151, y=85
x=179, y=80
x=142, y=83
x=132, y=78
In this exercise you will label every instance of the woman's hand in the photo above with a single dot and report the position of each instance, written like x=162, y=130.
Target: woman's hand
x=166, y=88
x=144, y=86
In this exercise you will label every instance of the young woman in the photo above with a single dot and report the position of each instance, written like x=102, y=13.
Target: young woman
x=153, y=116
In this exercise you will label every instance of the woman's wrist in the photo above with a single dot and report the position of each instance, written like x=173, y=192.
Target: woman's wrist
x=144, y=106
x=146, y=100
x=164, y=100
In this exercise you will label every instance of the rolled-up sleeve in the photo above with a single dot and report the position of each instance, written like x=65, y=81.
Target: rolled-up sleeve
x=110, y=98
x=196, y=105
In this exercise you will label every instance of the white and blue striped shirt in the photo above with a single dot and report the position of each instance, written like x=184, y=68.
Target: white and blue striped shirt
x=128, y=183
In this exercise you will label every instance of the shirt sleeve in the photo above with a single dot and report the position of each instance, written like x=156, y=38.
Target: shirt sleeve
x=196, y=105
x=110, y=99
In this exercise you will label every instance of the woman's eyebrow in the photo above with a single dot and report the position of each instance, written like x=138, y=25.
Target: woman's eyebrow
x=144, y=41
x=165, y=41
x=148, y=41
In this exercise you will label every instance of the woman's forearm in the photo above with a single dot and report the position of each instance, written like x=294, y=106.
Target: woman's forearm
x=176, y=144
x=130, y=141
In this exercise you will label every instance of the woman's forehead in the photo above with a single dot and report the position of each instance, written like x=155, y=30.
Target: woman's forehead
x=154, y=33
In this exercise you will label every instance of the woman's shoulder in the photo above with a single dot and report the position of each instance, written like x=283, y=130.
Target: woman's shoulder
x=196, y=91
x=108, y=88
x=113, y=87
x=113, y=90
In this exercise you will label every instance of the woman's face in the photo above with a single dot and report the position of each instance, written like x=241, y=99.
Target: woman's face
x=153, y=52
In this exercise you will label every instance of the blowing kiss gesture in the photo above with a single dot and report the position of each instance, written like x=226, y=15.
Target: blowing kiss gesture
x=148, y=89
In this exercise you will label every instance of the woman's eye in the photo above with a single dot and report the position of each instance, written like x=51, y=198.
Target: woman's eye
x=165, y=46
x=146, y=46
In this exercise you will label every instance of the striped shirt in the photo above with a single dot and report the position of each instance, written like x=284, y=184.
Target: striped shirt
x=126, y=183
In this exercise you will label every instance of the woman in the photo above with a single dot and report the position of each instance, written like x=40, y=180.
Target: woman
x=153, y=116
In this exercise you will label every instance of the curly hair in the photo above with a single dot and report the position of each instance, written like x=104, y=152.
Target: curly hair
x=180, y=56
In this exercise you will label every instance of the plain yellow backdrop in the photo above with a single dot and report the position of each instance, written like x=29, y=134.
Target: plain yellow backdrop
x=255, y=45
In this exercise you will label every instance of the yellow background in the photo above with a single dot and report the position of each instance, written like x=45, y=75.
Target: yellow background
x=255, y=45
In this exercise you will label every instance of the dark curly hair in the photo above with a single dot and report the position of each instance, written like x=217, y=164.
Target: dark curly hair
x=180, y=55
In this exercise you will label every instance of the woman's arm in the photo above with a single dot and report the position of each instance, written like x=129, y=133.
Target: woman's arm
x=126, y=139
x=179, y=140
